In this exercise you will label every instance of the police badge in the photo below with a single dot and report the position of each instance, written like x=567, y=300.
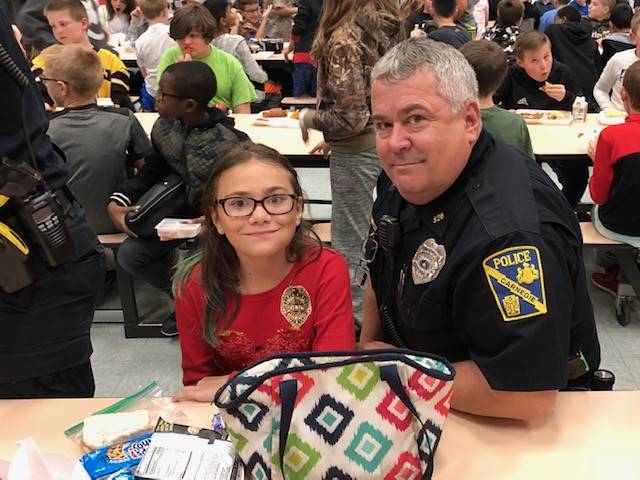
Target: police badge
x=295, y=305
x=427, y=262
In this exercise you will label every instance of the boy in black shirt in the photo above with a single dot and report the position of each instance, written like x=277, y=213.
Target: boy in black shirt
x=537, y=81
x=444, y=13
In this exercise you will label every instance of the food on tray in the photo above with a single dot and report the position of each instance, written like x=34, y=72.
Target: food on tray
x=102, y=430
x=532, y=115
x=614, y=114
x=274, y=112
x=556, y=115
x=295, y=114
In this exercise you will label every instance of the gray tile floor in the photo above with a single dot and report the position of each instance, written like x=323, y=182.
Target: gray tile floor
x=122, y=366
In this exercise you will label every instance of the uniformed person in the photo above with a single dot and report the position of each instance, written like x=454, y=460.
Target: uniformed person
x=474, y=253
x=45, y=342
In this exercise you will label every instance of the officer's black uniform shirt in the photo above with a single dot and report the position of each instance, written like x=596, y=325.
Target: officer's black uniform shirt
x=502, y=222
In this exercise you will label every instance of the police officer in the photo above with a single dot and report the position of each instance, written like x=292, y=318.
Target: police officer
x=474, y=253
x=45, y=344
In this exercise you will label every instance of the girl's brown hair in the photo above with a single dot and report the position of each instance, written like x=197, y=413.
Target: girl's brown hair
x=131, y=4
x=220, y=264
x=336, y=13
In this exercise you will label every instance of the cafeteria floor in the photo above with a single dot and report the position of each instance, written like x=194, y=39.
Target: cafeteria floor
x=122, y=366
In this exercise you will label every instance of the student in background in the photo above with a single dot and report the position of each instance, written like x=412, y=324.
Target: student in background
x=234, y=44
x=352, y=36
x=421, y=19
x=254, y=21
x=619, y=39
x=615, y=183
x=121, y=17
x=193, y=28
x=444, y=13
x=100, y=144
x=540, y=8
x=305, y=26
x=598, y=18
x=548, y=18
x=607, y=89
x=149, y=48
x=571, y=44
x=187, y=139
x=263, y=284
x=507, y=27
x=581, y=6
x=280, y=20
x=68, y=19
x=489, y=63
x=538, y=81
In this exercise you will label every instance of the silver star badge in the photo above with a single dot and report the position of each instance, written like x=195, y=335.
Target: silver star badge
x=427, y=262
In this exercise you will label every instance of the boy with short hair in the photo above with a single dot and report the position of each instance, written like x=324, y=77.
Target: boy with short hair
x=611, y=78
x=507, y=27
x=619, y=39
x=598, y=18
x=100, y=144
x=537, y=81
x=489, y=62
x=615, y=184
x=69, y=22
x=444, y=13
x=149, y=48
x=187, y=139
x=193, y=28
x=254, y=23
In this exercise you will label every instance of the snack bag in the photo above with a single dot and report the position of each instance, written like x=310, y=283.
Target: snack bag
x=115, y=458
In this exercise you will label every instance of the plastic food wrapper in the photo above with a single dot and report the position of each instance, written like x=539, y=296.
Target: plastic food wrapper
x=150, y=398
x=29, y=463
x=105, y=462
x=176, y=228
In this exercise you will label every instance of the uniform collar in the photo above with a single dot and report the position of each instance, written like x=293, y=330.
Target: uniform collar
x=437, y=214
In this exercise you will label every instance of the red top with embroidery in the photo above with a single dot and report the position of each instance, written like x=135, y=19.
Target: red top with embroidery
x=261, y=328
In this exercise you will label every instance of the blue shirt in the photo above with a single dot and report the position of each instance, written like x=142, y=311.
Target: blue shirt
x=584, y=10
x=547, y=19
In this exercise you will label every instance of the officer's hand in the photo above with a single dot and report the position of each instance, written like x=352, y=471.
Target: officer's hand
x=555, y=91
x=375, y=345
x=117, y=214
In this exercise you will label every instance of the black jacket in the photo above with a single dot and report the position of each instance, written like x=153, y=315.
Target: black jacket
x=519, y=90
x=305, y=24
x=571, y=44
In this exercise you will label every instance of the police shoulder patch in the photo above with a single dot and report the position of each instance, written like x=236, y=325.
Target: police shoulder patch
x=516, y=280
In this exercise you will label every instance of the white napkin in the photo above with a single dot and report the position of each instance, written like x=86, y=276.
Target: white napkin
x=29, y=463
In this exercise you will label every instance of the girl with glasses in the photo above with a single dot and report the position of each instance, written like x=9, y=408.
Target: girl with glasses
x=263, y=283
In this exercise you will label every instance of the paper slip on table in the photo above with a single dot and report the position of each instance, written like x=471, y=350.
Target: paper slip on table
x=590, y=436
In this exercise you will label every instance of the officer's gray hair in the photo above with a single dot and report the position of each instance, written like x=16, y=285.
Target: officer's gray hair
x=456, y=79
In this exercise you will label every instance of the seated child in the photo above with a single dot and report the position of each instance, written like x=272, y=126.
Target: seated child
x=607, y=88
x=254, y=23
x=421, y=20
x=100, y=144
x=571, y=44
x=263, y=284
x=188, y=139
x=506, y=29
x=69, y=22
x=598, y=17
x=149, y=48
x=537, y=81
x=227, y=20
x=193, y=28
x=619, y=39
x=444, y=14
x=121, y=17
x=305, y=25
x=615, y=183
x=489, y=62
x=581, y=6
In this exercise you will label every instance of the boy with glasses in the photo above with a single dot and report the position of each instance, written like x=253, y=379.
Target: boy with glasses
x=187, y=139
x=254, y=24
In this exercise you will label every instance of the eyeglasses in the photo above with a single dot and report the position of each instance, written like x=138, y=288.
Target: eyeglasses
x=47, y=79
x=160, y=95
x=279, y=204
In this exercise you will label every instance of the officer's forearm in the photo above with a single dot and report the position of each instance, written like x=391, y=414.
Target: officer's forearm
x=370, y=319
x=473, y=394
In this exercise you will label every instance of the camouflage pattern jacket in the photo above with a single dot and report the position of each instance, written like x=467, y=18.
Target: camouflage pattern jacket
x=344, y=82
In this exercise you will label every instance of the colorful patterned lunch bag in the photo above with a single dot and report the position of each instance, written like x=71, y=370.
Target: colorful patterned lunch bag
x=339, y=415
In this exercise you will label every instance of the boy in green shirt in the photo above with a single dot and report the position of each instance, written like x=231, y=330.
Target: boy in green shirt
x=489, y=62
x=193, y=28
